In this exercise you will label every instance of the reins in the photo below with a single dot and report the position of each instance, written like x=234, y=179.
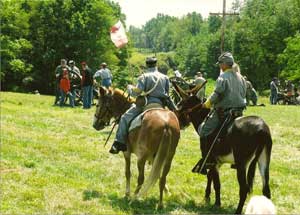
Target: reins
x=116, y=120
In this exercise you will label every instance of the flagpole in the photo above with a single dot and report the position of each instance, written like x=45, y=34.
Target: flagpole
x=131, y=71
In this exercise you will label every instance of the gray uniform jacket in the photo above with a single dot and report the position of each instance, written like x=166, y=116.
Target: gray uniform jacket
x=274, y=87
x=230, y=92
x=147, y=81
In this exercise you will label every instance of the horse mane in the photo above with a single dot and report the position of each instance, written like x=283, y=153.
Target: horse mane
x=120, y=95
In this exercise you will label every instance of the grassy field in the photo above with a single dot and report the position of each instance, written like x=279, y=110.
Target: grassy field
x=54, y=162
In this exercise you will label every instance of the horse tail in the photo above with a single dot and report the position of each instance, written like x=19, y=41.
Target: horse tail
x=262, y=156
x=159, y=161
x=264, y=164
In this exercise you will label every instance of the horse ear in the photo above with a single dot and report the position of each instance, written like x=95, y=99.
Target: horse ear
x=102, y=91
x=196, y=88
x=180, y=91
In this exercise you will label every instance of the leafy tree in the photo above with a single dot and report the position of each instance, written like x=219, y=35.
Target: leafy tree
x=14, y=46
x=290, y=59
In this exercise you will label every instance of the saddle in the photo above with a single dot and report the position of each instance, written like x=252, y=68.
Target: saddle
x=232, y=115
x=137, y=121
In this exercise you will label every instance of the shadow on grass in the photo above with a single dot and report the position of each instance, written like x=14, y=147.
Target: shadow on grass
x=149, y=206
x=90, y=194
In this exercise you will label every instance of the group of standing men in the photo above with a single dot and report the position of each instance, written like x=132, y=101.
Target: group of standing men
x=66, y=84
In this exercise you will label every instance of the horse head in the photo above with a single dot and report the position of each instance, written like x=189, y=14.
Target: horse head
x=103, y=108
x=112, y=103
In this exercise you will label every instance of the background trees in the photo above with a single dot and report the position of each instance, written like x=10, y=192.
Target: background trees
x=35, y=35
x=263, y=39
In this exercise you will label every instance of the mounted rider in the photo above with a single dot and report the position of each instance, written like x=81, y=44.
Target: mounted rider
x=229, y=95
x=155, y=87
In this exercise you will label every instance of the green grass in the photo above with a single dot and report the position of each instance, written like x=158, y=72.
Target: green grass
x=54, y=162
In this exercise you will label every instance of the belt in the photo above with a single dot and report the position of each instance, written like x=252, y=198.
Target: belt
x=234, y=108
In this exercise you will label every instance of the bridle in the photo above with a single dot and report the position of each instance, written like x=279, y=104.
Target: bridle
x=105, y=105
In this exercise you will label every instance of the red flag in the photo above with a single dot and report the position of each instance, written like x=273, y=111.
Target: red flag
x=118, y=35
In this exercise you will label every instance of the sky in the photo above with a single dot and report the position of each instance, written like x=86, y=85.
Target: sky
x=138, y=12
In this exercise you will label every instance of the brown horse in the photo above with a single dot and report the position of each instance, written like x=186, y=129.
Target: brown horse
x=155, y=140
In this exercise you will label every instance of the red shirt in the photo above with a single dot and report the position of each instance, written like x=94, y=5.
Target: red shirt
x=65, y=85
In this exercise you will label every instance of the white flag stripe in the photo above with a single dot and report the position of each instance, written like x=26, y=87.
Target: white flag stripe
x=118, y=35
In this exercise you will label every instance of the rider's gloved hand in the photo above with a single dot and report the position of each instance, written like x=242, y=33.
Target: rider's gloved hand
x=207, y=104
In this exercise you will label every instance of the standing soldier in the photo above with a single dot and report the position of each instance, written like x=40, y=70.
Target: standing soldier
x=251, y=94
x=104, y=75
x=199, y=81
x=229, y=96
x=58, y=75
x=157, y=85
x=274, y=91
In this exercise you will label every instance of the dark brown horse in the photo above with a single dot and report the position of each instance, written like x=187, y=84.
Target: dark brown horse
x=155, y=140
x=247, y=142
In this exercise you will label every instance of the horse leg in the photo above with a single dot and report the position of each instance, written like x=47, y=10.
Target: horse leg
x=217, y=186
x=241, y=175
x=127, y=173
x=162, y=181
x=208, y=186
x=141, y=177
x=251, y=174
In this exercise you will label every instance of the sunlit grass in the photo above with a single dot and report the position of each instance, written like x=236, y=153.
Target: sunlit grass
x=54, y=162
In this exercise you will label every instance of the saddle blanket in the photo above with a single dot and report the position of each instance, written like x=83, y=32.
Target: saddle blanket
x=137, y=121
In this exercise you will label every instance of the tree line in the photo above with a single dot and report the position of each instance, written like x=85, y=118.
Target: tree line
x=35, y=35
x=264, y=39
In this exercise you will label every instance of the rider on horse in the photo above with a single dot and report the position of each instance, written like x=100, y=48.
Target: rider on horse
x=157, y=85
x=229, y=94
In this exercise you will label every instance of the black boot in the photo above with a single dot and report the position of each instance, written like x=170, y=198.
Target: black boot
x=196, y=168
x=209, y=162
x=117, y=147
